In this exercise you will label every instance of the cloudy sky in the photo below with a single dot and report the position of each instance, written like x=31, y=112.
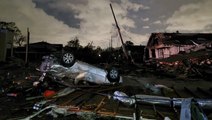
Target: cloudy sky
x=59, y=21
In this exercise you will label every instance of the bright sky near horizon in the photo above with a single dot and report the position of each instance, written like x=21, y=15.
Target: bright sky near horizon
x=59, y=21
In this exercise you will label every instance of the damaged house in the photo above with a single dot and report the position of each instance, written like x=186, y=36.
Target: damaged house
x=163, y=45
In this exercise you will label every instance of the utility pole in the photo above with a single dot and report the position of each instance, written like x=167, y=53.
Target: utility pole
x=123, y=47
x=111, y=43
x=27, y=48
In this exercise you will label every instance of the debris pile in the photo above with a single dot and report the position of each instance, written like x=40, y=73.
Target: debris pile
x=84, y=90
x=186, y=67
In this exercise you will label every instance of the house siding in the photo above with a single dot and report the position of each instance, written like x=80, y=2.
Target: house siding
x=163, y=45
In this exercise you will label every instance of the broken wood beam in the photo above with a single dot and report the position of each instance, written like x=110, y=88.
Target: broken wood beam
x=190, y=92
x=100, y=104
x=206, y=93
x=176, y=92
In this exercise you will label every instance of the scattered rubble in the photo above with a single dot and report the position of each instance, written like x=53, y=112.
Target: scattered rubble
x=186, y=66
x=53, y=92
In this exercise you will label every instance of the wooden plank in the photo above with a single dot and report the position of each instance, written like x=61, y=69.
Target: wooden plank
x=206, y=93
x=192, y=93
x=176, y=92
x=100, y=104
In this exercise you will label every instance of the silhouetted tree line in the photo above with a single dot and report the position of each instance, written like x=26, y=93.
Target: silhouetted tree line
x=88, y=53
x=92, y=54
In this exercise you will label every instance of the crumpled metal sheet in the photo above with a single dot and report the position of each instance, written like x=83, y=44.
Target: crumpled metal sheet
x=79, y=71
x=167, y=101
x=191, y=110
x=156, y=89
x=204, y=103
x=47, y=63
x=59, y=110
x=153, y=99
x=123, y=98
x=73, y=73
x=60, y=71
x=185, y=113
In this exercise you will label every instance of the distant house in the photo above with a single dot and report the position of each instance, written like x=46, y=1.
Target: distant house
x=37, y=50
x=163, y=45
x=45, y=47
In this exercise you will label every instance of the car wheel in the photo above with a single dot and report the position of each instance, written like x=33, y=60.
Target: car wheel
x=68, y=59
x=113, y=75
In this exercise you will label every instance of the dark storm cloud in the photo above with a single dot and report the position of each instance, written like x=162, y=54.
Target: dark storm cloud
x=43, y=27
x=159, y=10
x=58, y=21
x=92, y=19
x=68, y=17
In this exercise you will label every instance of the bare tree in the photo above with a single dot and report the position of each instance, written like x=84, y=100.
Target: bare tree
x=20, y=39
x=74, y=43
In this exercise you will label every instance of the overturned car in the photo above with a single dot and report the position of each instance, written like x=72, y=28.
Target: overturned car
x=72, y=71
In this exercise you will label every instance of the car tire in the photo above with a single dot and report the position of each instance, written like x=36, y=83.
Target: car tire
x=68, y=59
x=113, y=75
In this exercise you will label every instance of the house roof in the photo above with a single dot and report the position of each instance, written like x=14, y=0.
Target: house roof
x=45, y=46
x=43, y=43
x=179, y=38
